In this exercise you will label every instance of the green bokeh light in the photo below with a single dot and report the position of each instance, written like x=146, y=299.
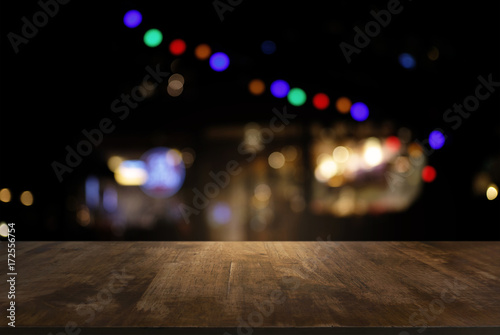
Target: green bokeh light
x=153, y=38
x=297, y=97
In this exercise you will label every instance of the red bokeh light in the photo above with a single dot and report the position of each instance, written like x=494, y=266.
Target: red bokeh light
x=321, y=101
x=177, y=47
x=393, y=143
x=428, y=174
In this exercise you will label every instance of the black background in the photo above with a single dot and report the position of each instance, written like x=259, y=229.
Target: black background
x=66, y=77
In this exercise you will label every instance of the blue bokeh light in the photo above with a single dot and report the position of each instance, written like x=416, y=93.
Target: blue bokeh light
x=279, y=88
x=268, y=47
x=132, y=18
x=92, y=192
x=166, y=172
x=109, y=199
x=221, y=213
x=359, y=111
x=219, y=61
x=436, y=139
x=407, y=61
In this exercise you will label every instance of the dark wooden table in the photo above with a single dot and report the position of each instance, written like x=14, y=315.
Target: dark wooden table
x=396, y=288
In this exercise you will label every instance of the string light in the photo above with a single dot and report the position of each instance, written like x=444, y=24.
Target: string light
x=321, y=101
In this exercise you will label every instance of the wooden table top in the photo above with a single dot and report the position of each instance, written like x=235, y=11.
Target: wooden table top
x=398, y=288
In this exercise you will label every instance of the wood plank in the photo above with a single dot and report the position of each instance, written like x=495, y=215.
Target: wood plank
x=259, y=287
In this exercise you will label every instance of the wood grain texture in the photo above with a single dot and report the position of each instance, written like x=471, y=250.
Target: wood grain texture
x=259, y=287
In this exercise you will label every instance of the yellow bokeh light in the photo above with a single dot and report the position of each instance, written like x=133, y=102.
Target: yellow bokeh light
x=336, y=181
x=326, y=169
x=130, y=175
x=276, y=160
x=5, y=195
x=262, y=192
x=341, y=154
x=259, y=204
x=4, y=229
x=202, y=51
x=492, y=192
x=114, y=162
x=26, y=198
x=256, y=87
x=372, y=153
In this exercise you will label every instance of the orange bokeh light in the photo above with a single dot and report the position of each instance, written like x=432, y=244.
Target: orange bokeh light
x=256, y=87
x=202, y=51
x=343, y=105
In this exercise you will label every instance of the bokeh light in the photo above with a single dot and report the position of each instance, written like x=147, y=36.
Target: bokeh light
x=5, y=195
x=83, y=216
x=297, y=96
x=153, y=38
x=268, y=47
x=114, y=162
x=415, y=150
x=276, y=160
x=175, y=85
x=428, y=174
x=343, y=105
x=433, y=53
x=326, y=168
x=321, y=101
x=4, y=229
x=492, y=192
x=341, y=154
x=219, y=61
x=92, y=192
x=202, y=51
x=147, y=88
x=436, y=139
x=407, y=61
x=188, y=157
x=372, y=152
x=131, y=173
x=402, y=164
x=262, y=192
x=393, y=143
x=27, y=198
x=280, y=88
x=110, y=199
x=177, y=47
x=359, y=111
x=220, y=213
x=165, y=172
x=256, y=87
x=132, y=18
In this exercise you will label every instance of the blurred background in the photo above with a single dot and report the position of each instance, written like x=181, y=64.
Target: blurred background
x=243, y=120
